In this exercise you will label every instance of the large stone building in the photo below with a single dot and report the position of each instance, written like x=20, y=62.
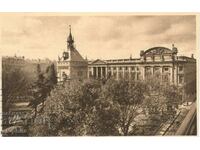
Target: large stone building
x=160, y=63
x=71, y=64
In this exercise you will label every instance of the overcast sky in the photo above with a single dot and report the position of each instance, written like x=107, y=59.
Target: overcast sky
x=105, y=37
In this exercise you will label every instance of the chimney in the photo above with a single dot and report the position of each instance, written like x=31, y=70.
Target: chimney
x=192, y=56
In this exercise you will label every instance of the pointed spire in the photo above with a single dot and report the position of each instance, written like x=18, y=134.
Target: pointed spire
x=70, y=39
x=70, y=29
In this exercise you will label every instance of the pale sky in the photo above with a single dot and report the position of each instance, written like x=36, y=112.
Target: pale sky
x=104, y=37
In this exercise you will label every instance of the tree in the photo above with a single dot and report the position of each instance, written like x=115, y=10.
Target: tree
x=38, y=91
x=50, y=76
x=161, y=101
x=105, y=119
x=65, y=109
x=128, y=96
x=75, y=108
x=172, y=97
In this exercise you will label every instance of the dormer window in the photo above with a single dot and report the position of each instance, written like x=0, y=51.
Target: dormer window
x=65, y=55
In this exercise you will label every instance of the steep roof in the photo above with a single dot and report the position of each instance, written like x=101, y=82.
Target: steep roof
x=75, y=56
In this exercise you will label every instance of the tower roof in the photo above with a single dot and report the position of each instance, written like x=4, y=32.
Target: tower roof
x=72, y=53
x=70, y=39
x=75, y=56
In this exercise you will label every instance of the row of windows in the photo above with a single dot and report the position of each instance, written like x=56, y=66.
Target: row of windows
x=133, y=75
x=125, y=68
x=165, y=69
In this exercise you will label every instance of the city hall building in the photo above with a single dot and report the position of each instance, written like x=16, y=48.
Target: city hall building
x=160, y=63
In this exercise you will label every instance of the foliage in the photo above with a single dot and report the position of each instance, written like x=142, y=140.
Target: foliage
x=105, y=119
x=128, y=96
x=50, y=76
x=41, y=88
x=162, y=100
x=92, y=107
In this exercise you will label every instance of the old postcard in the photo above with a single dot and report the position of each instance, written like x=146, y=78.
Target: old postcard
x=95, y=74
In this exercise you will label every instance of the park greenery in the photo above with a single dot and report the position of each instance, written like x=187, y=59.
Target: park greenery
x=104, y=108
x=27, y=82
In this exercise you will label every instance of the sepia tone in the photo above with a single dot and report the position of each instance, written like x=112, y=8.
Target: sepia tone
x=98, y=75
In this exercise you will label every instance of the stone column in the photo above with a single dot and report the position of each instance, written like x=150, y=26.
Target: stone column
x=143, y=72
x=92, y=73
x=171, y=74
x=88, y=73
x=123, y=72
x=152, y=71
x=106, y=72
x=111, y=69
x=101, y=70
x=129, y=72
x=117, y=73
x=162, y=70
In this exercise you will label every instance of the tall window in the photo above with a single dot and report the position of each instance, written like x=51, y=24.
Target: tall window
x=79, y=73
x=132, y=75
x=180, y=68
x=109, y=74
x=148, y=72
x=132, y=68
x=126, y=75
x=181, y=79
x=165, y=77
x=115, y=75
x=120, y=75
x=157, y=73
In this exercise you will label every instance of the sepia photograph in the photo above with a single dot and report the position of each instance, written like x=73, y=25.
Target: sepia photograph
x=98, y=74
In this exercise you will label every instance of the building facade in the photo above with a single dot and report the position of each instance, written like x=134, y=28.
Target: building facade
x=71, y=64
x=160, y=63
